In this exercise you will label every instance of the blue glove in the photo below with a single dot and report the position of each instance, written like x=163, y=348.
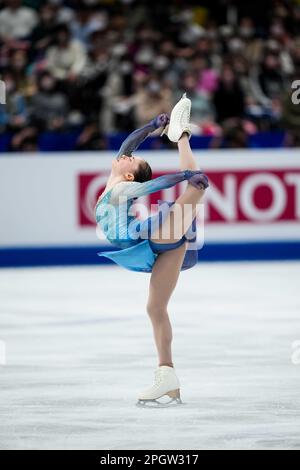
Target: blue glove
x=160, y=121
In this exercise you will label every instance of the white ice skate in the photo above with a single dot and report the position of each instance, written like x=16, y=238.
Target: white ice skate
x=164, y=392
x=179, y=120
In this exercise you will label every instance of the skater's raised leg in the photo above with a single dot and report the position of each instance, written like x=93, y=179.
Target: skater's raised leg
x=187, y=205
x=186, y=157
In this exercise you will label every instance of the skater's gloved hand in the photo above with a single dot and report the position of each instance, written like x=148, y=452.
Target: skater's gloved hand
x=160, y=121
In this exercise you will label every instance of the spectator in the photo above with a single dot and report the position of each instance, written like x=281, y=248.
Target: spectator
x=63, y=13
x=252, y=44
x=114, y=65
x=235, y=136
x=153, y=99
x=48, y=107
x=120, y=97
x=91, y=138
x=229, y=97
x=16, y=21
x=18, y=66
x=207, y=77
x=291, y=118
x=67, y=58
x=202, y=110
x=87, y=21
x=91, y=81
x=14, y=114
x=268, y=82
x=43, y=34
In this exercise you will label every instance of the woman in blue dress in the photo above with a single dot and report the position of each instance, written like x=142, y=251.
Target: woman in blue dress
x=161, y=244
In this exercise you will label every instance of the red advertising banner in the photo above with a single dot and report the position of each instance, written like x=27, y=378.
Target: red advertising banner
x=234, y=196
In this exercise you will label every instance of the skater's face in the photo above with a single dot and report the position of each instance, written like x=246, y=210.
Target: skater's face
x=126, y=166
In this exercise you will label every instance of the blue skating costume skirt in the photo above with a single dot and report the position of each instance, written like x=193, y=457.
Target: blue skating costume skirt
x=142, y=256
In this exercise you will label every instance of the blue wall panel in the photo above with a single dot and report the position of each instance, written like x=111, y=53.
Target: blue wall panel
x=67, y=256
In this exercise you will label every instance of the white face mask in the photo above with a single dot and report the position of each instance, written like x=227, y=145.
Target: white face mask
x=154, y=86
x=145, y=56
x=125, y=67
x=119, y=50
x=235, y=45
x=161, y=63
x=246, y=32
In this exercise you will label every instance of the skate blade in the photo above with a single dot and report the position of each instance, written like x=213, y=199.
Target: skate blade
x=162, y=402
x=165, y=130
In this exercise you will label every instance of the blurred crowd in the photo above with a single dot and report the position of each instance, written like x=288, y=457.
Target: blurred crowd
x=105, y=67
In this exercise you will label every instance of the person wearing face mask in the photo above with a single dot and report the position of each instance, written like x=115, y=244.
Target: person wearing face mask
x=229, y=97
x=13, y=115
x=43, y=33
x=48, y=107
x=153, y=98
x=202, y=111
x=268, y=80
x=291, y=113
x=18, y=65
x=67, y=58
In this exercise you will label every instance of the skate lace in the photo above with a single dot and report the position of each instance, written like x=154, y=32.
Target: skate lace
x=158, y=376
x=185, y=118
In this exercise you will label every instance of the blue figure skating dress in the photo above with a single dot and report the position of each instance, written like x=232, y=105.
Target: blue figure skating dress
x=129, y=234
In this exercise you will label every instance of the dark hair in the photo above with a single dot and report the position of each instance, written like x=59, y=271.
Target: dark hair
x=144, y=173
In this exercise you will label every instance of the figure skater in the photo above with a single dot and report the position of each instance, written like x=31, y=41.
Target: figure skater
x=143, y=244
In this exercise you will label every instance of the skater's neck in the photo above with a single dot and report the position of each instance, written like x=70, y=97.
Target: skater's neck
x=111, y=183
x=113, y=180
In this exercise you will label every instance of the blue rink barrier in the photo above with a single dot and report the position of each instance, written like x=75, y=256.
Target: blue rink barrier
x=70, y=256
x=52, y=141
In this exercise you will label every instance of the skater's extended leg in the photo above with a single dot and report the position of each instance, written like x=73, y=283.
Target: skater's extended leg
x=163, y=280
x=186, y=206
x=187, y=159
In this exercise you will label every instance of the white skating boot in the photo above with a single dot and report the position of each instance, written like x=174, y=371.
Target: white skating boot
x=165, y=383
x=180, y=120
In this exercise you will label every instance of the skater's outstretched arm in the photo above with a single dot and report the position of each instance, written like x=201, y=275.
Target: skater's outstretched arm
x=133, y=190
x=139, y=135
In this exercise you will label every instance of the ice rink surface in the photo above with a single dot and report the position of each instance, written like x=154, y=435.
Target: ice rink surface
x=79, y=348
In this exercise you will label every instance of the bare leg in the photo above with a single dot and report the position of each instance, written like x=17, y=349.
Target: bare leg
x=163, y=281
x=167, y=267
x=187, y=159
x=186, y=206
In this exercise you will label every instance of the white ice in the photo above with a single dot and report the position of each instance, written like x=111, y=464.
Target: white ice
x=79, y=348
